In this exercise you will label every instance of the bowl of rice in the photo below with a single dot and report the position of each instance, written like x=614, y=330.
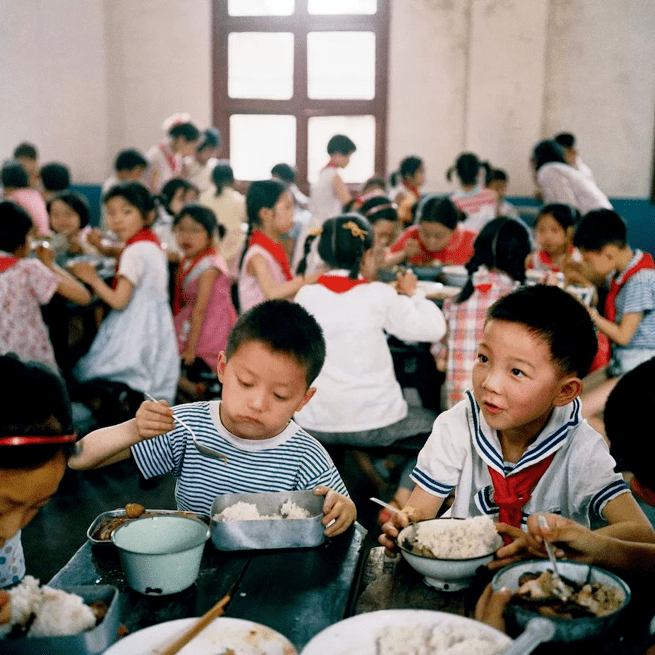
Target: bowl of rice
x=283, y=519
x=448, y=551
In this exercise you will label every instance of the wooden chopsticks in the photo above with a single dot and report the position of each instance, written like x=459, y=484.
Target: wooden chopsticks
x=197, y=627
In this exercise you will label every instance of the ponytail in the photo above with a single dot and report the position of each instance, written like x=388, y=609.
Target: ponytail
x=307, y=246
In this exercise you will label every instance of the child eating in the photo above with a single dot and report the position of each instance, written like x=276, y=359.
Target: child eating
x=518, y=445
x=273, y=354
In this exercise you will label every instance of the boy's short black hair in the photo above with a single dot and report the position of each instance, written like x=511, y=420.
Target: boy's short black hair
x=15, y=224
x=51, y=416
x=284, y=172
x=558, y=318
x=285, y=327
x=128, y=160
x=599, y=228
x=26, y=150
x=628, y=409
x=565, y=139
x=341, y=144
x=13, y=176
x=55, y=176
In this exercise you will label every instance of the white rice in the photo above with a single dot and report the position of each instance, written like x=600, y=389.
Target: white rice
x=458, y=539
x=57, y=612
x=439, y=640
x=242, y=511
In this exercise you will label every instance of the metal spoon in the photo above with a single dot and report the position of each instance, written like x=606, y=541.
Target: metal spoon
x=559, y=588
x=536, y=632
x=205, y=450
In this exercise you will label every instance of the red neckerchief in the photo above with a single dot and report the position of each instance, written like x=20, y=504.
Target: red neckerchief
x=331, y=164
x=144, y=234
x=183, y=272
x=258, y=238
x=547, y=260
x=413, y=189
x=511, y=493
x=645, y=261
x=642, y=492
x=7, y=262
x=338, y=283
x=173, y=161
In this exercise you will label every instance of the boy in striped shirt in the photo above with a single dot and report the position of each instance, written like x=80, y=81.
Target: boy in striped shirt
x=273, y=354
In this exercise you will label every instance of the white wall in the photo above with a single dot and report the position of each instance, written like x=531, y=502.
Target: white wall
x=85, y=78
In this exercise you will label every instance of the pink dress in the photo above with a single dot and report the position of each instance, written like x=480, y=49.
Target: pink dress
x=24, y=287
x=220, y=314
x=32, y=202
x=250, y=293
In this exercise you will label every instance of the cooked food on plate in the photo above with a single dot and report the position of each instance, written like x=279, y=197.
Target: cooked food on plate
x=242, y=511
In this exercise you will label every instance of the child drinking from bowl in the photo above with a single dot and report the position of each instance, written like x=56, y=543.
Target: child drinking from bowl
x=69, y=217
x=517, y=444
x=273, y=354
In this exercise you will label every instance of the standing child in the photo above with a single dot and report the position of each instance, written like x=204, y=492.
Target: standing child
x=437, y=235
x=198, y=168
x=136, y=343
x=174, y=196
x=518, y=445
x=264, y=270
x=274, y=353
x=25, y=285
x=628, y=319
x=202, y=304
x=496, y=268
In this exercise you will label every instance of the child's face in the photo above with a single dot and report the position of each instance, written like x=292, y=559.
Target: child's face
x=185, y=148
x=191, y=236
x=24, y=491
x=434, y=236
x=30, y=165
x=279, y=218
x=340, y=159
x=124, y=219
x=515, y=380
x=63, y=218
x=418, y=178
x=262, y=390
x=551, y=236
x=500, y=187
x=384, y=232
x=600, y=262
x=131, y=175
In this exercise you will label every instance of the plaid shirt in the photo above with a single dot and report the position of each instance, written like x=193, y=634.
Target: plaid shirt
x=465, y=323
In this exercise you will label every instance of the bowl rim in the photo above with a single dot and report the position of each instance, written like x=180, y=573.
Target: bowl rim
x=622, y=584
x=439, y=559
x=204, y=539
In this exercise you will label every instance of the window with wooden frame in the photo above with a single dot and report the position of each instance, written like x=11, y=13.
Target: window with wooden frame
x=290, y=74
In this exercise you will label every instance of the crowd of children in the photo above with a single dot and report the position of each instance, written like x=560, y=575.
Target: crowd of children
x=207, y=287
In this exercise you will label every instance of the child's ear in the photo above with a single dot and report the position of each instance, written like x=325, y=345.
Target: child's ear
x=220, y=366
x=151, y=217
x=309, y=394
x=570, y=389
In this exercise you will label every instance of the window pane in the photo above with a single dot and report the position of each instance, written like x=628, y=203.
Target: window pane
x=260, y=7
x=260, y=65
x=361, y=129
x=341, y=65
x=342, y=6
x=258, y=142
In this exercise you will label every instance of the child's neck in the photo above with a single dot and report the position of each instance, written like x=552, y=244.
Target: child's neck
x=623, y=258
x=270, y=232
x=515, y=441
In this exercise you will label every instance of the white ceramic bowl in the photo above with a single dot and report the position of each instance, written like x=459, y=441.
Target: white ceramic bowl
x=442, y=574
x=161, y=555
x=565, y=629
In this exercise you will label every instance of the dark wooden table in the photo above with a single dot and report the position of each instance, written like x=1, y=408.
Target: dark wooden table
x=393, y=584
x=297, y=592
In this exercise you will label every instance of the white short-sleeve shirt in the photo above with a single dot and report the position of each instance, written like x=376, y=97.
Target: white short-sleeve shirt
x=578, y=483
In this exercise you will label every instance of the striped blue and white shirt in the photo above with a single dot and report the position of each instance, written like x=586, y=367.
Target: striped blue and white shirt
x=578, y=484
x=291, y=461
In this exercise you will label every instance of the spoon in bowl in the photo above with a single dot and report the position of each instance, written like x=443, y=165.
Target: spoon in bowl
x=559, y=587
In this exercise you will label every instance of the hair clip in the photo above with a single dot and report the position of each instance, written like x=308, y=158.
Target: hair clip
x=316, y=232
x=355, y=229
x=175, y=119
x=27, y=440
x=379, y=208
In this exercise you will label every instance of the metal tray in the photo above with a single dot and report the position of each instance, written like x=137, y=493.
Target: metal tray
x=92, y=642
x=267, y=534
x=115, y=513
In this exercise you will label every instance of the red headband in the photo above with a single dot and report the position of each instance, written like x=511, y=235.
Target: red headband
x=34, y=441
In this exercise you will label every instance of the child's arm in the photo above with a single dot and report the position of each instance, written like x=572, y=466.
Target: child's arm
x=68, y=287
x=258, y=267
x=337, y=508
x=626, y=520
x=205, y=285
x=341, y=190
x=112, y=444
x=424, y=505
x=620, y=333
x=116, y=298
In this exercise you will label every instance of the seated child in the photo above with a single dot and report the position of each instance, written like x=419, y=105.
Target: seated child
x=382, y=214
x=479, y=204
x=35, y=442
x=406, y=185
x=273, y=354
x=517, y=444
x=15, y=184
x=27, y=283
x=496, y=268
x=130, y=166
x=27, y=156
x=176, y=194
x=497, y=180
x=628, y=319
x=69, y=218
x=435, y=236
x=55, y=177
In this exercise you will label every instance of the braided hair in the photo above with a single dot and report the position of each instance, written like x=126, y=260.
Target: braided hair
x=467, y=168
x=344, y=241
x=503, y=244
